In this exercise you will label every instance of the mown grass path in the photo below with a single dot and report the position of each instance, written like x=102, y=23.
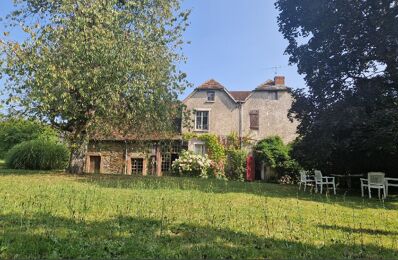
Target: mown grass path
x=55, y=215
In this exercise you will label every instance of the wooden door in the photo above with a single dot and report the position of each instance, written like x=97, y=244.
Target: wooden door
x=95, y=164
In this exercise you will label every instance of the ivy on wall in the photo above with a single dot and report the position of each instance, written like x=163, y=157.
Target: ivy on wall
x=214, y=147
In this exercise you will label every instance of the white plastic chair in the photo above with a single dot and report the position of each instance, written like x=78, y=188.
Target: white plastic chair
x=321, y=181
x=305, y=179
x=375, y=180
x=391, y=182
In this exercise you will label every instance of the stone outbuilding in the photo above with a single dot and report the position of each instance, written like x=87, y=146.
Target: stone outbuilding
x=123, y=155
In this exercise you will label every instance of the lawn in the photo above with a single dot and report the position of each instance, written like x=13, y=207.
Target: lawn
x=55, y=215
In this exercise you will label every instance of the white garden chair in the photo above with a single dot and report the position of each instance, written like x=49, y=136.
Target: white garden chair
x=375, y=180
x=321, y=181
x=391, y=182
x=305, y=179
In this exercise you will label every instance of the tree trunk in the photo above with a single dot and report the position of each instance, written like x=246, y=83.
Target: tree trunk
x=77, y=157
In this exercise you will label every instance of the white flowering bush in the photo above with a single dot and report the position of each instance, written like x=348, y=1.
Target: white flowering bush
x=191, y=164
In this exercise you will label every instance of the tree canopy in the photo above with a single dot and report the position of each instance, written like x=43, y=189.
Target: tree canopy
x=348, y=54
x=90, y=66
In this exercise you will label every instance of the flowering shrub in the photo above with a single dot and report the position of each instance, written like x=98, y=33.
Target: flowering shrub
x=190, y=164
x=287, y=179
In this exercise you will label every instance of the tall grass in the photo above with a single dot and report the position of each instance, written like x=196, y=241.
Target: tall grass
x=65, y=216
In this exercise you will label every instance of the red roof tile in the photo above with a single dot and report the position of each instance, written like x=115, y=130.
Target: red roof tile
x=240, y=95
x=211, y=84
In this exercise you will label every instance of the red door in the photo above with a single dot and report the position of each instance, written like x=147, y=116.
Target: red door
x=250, y=171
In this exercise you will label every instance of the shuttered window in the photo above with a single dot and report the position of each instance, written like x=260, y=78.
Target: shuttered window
x=254, y=119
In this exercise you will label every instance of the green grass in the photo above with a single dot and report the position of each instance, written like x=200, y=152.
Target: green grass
x=55, y=215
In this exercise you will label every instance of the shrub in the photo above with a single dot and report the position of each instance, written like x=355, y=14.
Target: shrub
x=14, y=131
x=275, y=154
x=38, y=154
x=190, y=164
x=235, y=167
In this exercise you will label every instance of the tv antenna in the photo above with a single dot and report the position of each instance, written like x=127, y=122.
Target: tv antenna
x=275, y=68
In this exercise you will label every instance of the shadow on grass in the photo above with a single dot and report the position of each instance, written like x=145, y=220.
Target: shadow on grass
x=48, y=236
x=219, y=186
x=360, y=230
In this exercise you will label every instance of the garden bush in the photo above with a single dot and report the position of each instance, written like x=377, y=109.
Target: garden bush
x=275, y=154
x=15, y=130
x=38, y=154
x=235, y=167
x=191, y=164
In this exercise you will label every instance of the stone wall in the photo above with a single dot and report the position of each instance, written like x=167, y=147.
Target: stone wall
x=116, y=155
x=273, y=118
x=224, y=114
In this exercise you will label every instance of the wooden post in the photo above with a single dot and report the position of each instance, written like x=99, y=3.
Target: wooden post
x=158, y=161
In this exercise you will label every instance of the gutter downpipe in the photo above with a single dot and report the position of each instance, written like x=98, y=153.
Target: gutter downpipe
x=240, y=124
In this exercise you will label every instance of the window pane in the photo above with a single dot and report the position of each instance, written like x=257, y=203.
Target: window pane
x=205, y=120
x=211, y=95
x=273, y=95
x=198, y=148
x=198, y=120
x=202, y=120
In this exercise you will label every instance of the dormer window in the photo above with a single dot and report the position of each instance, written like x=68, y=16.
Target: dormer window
x=211, y=96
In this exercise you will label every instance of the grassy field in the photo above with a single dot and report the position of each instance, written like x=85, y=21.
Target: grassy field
x=55, y=215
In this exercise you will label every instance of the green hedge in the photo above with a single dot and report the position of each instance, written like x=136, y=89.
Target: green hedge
x=38, y=155
x=235, y=167
x=275, y=154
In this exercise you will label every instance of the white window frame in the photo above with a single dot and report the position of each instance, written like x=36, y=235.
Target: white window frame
x=207, y=96
x=203, y=148
x=208, y=119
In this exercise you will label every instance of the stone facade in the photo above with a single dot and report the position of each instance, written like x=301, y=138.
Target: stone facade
x=230, y=111
x=225, y=112
x=273, y=118
x=132, y=157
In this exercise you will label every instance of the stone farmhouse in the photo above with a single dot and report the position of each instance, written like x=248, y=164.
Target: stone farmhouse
x=256, y=114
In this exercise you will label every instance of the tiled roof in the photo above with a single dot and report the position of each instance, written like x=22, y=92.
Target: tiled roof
x=117, y=136
x=270, y=85
x=211, y=84
x=240, y=95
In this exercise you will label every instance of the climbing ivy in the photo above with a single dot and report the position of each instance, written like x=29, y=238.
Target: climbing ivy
x=215, y=149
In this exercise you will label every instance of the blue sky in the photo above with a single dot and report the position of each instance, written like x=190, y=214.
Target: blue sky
x=235, y=42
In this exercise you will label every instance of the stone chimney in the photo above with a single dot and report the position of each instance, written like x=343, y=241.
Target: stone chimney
x=279, y=80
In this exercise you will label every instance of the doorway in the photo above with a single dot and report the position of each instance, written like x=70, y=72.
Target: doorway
x=95, y=164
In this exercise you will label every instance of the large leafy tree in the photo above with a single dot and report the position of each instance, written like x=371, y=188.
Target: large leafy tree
x=348, y=54
x=92, y=66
